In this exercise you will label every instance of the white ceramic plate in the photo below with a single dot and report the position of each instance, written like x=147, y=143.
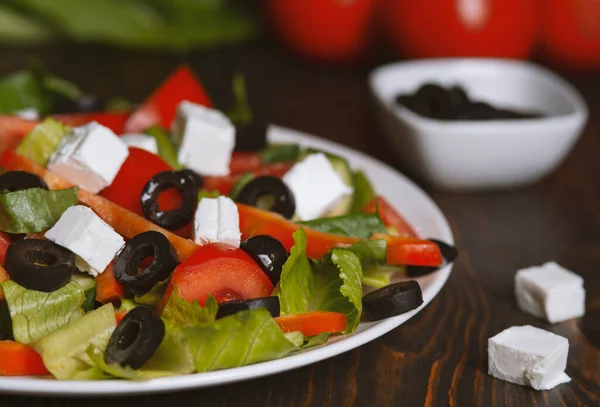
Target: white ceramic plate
x=406, y=196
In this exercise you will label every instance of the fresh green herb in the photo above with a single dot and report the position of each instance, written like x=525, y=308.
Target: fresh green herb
x=41, y=142
x=241, y=113
x=275, y=153
x=361, y=225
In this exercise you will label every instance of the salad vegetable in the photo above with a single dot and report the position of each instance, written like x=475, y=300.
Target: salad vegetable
x=213, y=270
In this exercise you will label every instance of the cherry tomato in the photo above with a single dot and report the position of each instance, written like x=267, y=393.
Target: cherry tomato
x=4, y=242
x=225, y=272
x=313, y=323
x=390, y=217
x=328, y=30
x=12, y=131
x=446, y=28
x=223, y=184
x=571, y=33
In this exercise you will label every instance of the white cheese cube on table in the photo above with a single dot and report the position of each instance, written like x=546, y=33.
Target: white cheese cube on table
x=206, y=139
x=316, y=186
x=89, y=156
x=529, y=356
x=29, y=113
x=550, y=291
x=83, y=232
x=217, y=220
x=143, y=141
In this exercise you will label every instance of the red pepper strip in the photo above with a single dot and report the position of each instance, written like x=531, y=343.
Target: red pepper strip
x=119, y=315
x=313, y=323
x=113, y=120
x=159, y=108
x=390, y=217
x=125, y=222
x=5, y=240
x=225, y=183
x=20, y=360
x=107, y=287
x=12, y=131
x=410, y=251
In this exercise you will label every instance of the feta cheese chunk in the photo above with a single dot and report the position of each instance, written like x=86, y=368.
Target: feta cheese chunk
x=206, y=139
x=83, y=232
x=550, y=291
x=529, y=356
x=142, y=141
x=217, y=220
x=89, y=156
x=315, y=185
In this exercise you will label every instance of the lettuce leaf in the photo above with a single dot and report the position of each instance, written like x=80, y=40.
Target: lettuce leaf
x=316, y=340
x=295, y=337
x=154, y=295
x=363, y=192
x=275, y=153
x=180, y=313
x=237, y=340
x=361, y=225
x=372, y=254
x=35, y=314
x=21, y=90
x=33, y=210
x=39, y=144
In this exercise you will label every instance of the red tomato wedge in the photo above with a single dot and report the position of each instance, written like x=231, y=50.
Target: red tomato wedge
x=159, y=108
x=3, y=277
x=242, y=161
x=225, y=183
x=125, y=222
x=390, y=216
x=107, y=287
x=225, y=272
x=4, y=242
x=400, y=250
x=313, y=323
x=12, y=131
x=20, y=360
x=113, y=120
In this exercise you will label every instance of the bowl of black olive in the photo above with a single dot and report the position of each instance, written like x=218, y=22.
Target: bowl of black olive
x=477, y=123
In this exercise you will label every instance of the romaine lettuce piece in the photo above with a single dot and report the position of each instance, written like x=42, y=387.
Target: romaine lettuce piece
x=275, y=153
x=181, y=313
x=41, y=142
x=363, y=192
x=361, y=225
x=21, y=90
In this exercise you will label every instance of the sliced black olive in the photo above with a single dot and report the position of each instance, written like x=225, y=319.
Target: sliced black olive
x=250, y=137
x=271, y=304
x=135, y=339
x=39, y=265
x=127, y=262
x=392, y=300
x=269, y=193
x=186, y=182
x=449, y=253
x=17, y=180
x=268, y=252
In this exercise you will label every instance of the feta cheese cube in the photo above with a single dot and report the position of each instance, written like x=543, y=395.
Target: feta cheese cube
x=142, y=141
x=29, y=113
x=550, y=291
x=217, y=220
x=89, y=156
x=206, y=139
x=83, y=232
x=529, y=356
x=316, y=186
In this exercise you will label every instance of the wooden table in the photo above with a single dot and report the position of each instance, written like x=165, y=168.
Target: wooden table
x=439, y=358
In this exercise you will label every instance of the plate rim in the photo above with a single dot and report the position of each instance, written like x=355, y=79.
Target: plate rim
x=114, y=388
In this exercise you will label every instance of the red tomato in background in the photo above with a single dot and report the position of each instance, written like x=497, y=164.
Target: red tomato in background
x=446, y=28
x=571, y=33
x=327, y=30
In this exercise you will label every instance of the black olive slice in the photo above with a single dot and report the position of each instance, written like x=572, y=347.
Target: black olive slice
x=269, y=193
x=17, y=180
x=186, y=183
x=449, y=254
x=250, y=137
x=268, y=252
x=135, y=339
x=432, y=100
x=142, y=246
x=392, y=300
x=271, y=304
x=39, y=265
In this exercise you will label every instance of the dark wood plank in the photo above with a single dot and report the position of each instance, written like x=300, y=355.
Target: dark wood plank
x=440, y=357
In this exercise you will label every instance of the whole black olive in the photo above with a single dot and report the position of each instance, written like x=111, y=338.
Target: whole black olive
x=186, y=182
x=17, y=180
x=392, y=300
x=39, y=265
x=432, y=100
x=449, y=253
x=142, y=246
x=479, y=111
x=135, y=339
x=271, y=304
x=250, y=137
x=269, y=193
x=268, y=252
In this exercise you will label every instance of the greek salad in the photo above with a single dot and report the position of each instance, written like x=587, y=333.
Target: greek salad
x=172, y=239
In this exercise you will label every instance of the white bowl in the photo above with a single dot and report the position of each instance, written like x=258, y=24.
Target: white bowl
x=473, y=155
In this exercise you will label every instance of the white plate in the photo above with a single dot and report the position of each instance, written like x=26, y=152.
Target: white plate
x=406, y=196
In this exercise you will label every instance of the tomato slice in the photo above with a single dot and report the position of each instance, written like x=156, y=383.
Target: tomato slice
x=12, y=131
x=243, y=162
x=390, y=217
x=313, y=323
x=20, y=360
x=224, y=271
x=224, y=184
x=113, y=120
x=159, y=108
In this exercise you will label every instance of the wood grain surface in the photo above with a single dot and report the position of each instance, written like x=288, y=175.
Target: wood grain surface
x=439, y=358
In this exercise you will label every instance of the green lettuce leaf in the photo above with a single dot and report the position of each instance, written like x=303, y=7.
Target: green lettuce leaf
x=240, y=184
x=241, y=339
x=21, y=90
x=275, y=153
x=363, y=192
x=154, y=295
x=64, y=350
x=127, y=305
x=297, y=281
x=180, y=313
x=372, y=254
x=35, y=314
x=165, y=148
x=296, y=337
x=41, y=142
x=33, y=210
x=88, y=285
x=316, y=340
x=204, y=193
x=361, y=225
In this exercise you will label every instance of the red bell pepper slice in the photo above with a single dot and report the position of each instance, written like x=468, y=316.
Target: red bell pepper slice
x=108, y=289
x=244, y=162
x=20, y=360
x=113, y=120
x=390, y=217
x=313, y=323
x=12, y=131
x=159, y=108
x=224, y=184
